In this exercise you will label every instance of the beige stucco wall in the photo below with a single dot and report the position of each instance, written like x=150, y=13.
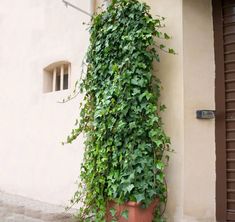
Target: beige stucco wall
x=33, y=163
x=199, y=139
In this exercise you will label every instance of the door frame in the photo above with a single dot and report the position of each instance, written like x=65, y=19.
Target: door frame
x=220, y=127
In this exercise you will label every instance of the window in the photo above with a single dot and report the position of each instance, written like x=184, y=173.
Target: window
x=57, y=77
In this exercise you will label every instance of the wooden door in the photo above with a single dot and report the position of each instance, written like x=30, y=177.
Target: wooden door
x=224, y=33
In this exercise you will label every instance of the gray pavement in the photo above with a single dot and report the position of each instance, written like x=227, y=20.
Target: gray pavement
x=19, y=209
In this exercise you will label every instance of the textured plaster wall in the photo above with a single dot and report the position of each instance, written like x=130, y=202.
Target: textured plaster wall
x=199, y=139
x=33, y=163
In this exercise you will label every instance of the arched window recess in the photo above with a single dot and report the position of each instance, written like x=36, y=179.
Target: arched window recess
x=57, y=76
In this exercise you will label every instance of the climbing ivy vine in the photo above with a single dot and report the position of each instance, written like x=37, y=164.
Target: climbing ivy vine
x=125, y=144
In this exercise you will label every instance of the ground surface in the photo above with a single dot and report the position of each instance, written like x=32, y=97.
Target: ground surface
x=19, y=209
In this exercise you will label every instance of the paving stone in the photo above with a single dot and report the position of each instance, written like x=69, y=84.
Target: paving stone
x=19, y=209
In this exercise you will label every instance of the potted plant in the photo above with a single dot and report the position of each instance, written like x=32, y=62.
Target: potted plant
x=122, y=175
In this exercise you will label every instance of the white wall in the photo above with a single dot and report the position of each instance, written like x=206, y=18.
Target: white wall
x=33, y=163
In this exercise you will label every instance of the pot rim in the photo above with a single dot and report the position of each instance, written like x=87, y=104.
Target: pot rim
x=136, y=204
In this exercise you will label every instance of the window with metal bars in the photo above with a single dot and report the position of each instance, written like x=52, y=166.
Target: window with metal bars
x=57, y=77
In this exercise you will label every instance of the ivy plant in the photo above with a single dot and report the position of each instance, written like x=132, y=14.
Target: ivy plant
x=125, y=143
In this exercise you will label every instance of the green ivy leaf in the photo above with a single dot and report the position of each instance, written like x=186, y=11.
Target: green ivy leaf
x=125, y=214
x=162, y=46
x=171, y=51
x=166, y=36
x=139, y=197
x=130, y=187
x=113, y=212
x=160, y=165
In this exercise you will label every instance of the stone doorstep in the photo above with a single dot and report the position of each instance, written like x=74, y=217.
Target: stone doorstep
x=34, y=209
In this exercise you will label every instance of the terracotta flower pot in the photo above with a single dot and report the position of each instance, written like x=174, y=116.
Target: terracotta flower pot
x=135, y=212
